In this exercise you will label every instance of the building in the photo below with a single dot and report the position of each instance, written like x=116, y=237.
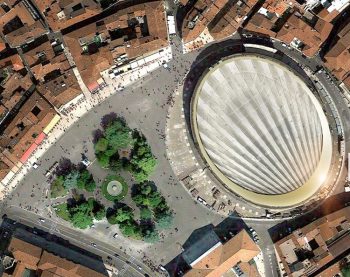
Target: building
x=63, y=13
x=14, y=83
x=2, y=45
x=337, y=59
x=209, y=20
x=288, y=22
x=254, y=145
x=133, y=32
x=211, y=257
x=25, y=259
x=22, y=135
x=315, y=248
x=19, y=22
x=50, y=67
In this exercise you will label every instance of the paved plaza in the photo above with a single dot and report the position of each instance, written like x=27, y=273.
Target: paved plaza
x=154, y=104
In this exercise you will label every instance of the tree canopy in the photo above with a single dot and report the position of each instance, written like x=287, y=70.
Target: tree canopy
x=82, y=213
x=115, y=136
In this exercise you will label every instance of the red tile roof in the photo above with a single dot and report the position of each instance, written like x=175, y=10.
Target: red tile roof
x=240, y=248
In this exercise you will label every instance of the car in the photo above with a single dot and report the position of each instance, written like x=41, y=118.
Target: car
x=146, y=275
x=92, y=226
x=109, y=258
x=94, y=244
x=252, y=231
x=161, y=268
x=116, y=255
x=35, y=165
x=115, y=235
x=35, y=232
x=41, y=219
x=128, y=262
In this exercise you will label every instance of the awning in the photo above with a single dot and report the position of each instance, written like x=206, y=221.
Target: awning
x=27, y=154
x=40, y=138
x=100, y=81
x=52, y=123
x=8, y=177
x=93, y=86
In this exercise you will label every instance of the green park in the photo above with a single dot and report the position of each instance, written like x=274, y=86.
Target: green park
x=120, y=151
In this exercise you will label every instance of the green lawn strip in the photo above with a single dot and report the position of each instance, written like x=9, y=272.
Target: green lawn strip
x=57, y=188
x=62, y=211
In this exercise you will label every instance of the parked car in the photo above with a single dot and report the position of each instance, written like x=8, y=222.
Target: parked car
x=254, y=235
x=41, y=219
x=252, y=231
x=94, y=244
x=115, y=235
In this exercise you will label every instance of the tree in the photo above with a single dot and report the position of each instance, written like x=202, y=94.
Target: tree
x=154, y=199
x=344, y=267
x=81, y=214
x=118, y=135
x=65, y=166
x=112, y=219
x=146, y=188
x=131, y=229
x=145, y=214
x=124, y=214
x=139, y=176
x=84, y=177
x=143, y=167
x=115, y=163
x=71, y=180
x=98, y=209
x=139, y=199
x=101, y=145
x=100, y=214
x=120, y=140
x=151, y=236
x=165, y=221
x=81, y=220
x=121, y=215
x=103, y=160
x=108, y=119
x=90, y=185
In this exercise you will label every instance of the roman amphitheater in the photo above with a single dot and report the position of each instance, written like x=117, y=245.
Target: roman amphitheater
x=261, y=131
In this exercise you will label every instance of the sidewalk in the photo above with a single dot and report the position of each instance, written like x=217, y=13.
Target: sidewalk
x=75, y=111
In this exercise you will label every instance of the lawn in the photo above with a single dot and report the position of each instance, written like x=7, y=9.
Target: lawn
x=105, y=183
x=61, y=211
x=57, y=188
